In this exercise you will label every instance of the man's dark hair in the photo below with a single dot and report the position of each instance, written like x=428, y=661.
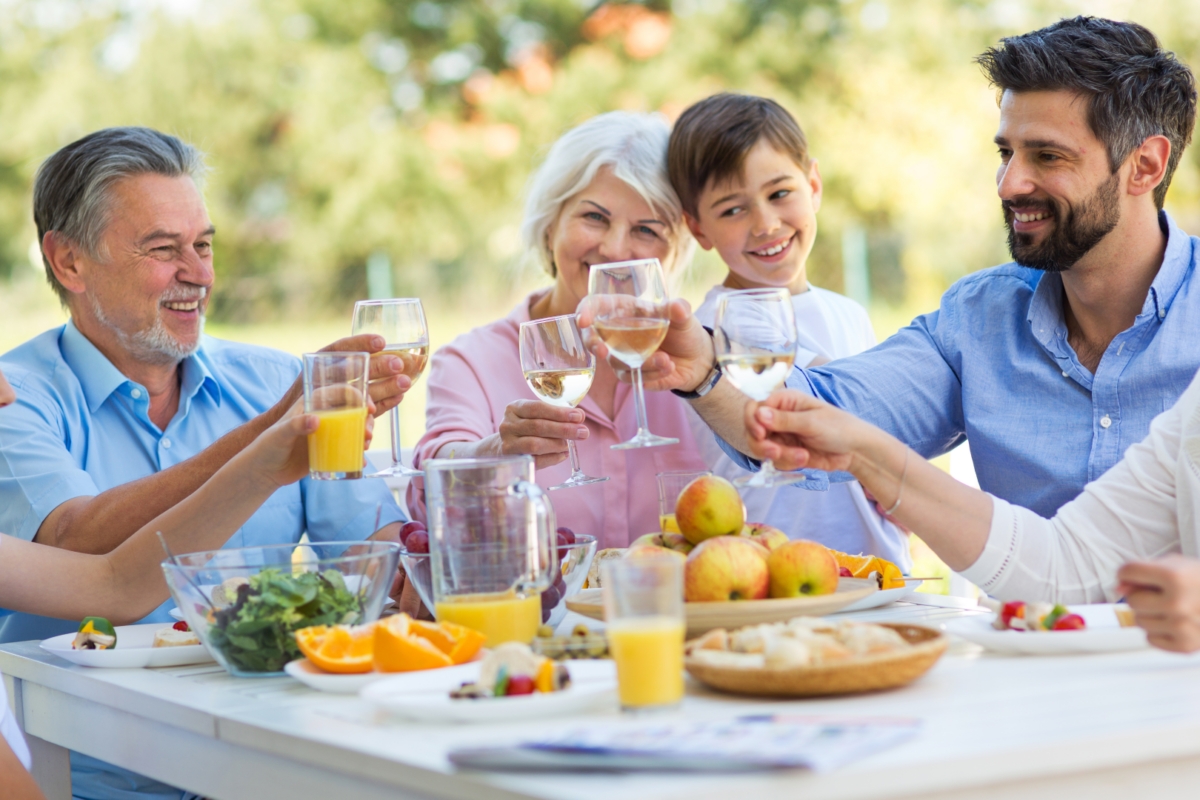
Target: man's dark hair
x=711, y=139
x=71, y=191
x=1135, y=88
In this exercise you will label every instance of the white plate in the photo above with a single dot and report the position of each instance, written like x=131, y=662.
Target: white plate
x=316, y=678
x=134, y=650
x=1102, y=635
x=883, y=597
x=425, y=696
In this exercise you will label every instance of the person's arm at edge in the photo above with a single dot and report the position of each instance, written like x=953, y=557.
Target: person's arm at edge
x=17, y=782
x=98, y=524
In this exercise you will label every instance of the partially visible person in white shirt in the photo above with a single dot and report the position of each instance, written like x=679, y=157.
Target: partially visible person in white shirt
x=1133, y=533
x=751, y=190
x=126, y=583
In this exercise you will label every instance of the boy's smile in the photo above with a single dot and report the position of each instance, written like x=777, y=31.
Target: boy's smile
x=763, y=222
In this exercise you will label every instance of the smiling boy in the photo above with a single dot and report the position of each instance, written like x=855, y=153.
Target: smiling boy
x=751, y=191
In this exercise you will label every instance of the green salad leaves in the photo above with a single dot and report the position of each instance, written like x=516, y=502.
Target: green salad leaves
x=256, y=632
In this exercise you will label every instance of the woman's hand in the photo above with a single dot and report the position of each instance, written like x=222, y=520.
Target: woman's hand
x=1165, y=597
x=529, y=428
x=682, y=361
x=794, y=430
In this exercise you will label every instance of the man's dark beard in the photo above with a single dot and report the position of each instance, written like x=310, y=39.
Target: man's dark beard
x=1074, y=233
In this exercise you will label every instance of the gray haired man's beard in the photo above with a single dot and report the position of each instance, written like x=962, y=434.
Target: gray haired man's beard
x=1074, y=234
x=153, y=345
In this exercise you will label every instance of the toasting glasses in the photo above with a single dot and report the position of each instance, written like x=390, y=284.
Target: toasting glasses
x=632, y=319
x=401, y=322
x=559, y=370
x=755, y=340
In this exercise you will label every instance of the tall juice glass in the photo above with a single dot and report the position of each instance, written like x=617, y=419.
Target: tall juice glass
x=670, y=485
x=335, y=391
x=643, y=614
x=491, y=529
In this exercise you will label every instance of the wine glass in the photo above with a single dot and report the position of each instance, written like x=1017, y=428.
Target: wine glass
x=559, y=370
x=401, y=323
x=755, y=339
x=632, y=319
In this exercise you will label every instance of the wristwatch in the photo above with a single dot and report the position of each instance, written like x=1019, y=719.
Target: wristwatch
x=706, y=386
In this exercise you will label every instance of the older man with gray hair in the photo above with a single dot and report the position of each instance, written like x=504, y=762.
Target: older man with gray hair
x=129, y=407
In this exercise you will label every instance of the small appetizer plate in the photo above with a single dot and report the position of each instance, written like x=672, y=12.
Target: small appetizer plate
x=425, y=696
x=1103, y=634
x=314, y=677
x=134, y=650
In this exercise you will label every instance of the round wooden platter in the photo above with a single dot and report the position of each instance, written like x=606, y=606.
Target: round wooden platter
x=864, y=674
x=703, y=617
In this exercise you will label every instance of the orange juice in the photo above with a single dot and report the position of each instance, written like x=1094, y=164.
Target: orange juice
x=500, y=617
x=337, y=444
x=667, y=523
x=648, y=652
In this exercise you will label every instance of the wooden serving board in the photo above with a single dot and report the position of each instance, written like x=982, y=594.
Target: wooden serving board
x=703, y=617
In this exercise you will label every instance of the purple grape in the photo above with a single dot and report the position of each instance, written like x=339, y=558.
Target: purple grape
x=568, y=534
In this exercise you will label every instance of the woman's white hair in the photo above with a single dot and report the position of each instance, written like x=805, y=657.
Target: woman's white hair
x=634, y=146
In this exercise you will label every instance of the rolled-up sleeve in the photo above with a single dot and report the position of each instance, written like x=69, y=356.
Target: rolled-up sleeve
x=38, y=470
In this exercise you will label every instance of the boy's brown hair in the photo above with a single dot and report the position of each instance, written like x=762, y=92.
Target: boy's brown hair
x=711, y=139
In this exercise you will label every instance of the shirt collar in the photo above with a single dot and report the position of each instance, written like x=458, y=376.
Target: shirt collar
x=99, y=378
x=1045, y=308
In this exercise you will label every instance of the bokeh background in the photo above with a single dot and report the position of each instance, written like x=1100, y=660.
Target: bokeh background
x=380, y=147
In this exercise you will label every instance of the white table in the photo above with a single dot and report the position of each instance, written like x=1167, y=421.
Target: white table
x=1108, y=726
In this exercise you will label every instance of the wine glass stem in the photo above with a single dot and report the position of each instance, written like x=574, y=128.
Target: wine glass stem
x=394, y=420
x=640, y=401
x=576, y=472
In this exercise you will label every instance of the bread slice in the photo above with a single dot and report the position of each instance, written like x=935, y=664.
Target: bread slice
x=169, y=637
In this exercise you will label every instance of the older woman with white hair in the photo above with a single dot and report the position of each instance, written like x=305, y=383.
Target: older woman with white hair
x=602, y=195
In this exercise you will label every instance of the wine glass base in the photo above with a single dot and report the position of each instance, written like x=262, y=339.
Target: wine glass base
x=644, y=439
x=573, y=481
x=760, y=481
x=397, y=471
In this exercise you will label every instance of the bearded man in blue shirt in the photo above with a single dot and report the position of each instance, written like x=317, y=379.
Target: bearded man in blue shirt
x=1050, y=366
x=129, y=407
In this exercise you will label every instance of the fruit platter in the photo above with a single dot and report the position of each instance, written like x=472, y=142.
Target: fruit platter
x=808, y=656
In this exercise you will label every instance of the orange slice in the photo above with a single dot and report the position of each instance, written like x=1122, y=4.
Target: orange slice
x=397, y=649
x=467, y=642
x=436, y=634
x=861, y=566
x=337, y=649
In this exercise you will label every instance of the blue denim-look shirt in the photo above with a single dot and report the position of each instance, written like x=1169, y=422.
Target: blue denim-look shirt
x=992, y=365
x=79, y=427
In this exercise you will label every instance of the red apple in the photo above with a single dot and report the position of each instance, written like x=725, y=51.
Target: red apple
x=669, y=541
x=726, y=568
x=802, y=568
x=709, y=506
x=764, y=534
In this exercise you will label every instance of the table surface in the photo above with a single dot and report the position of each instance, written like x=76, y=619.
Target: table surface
x=993, y=726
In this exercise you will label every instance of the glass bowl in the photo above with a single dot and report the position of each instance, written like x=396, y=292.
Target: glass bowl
x=575, y=560
x=245, y=603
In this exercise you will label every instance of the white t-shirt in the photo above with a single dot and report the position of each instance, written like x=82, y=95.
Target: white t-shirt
x=832, y=326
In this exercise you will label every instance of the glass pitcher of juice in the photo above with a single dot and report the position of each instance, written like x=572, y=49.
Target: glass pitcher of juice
x=491, y=536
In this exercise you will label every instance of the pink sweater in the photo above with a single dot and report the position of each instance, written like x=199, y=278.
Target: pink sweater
x=473, y=379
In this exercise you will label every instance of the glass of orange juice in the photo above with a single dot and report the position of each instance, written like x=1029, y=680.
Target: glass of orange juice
x=490, y=534
x=644, y=623
x=670, y=484
x=335, y=391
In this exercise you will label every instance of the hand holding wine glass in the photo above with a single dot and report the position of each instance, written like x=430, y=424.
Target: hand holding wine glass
x=401, y=322
x=629, y=303
x=559, y=370
x=755, y=339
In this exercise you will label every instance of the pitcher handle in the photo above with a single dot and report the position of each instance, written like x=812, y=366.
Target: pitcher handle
x=547, y=531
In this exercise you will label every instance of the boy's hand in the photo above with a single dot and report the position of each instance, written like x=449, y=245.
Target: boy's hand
x=1165, y=597
x=683, y=360
x=280, y=453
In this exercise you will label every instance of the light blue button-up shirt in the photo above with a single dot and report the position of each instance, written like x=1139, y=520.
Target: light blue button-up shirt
x=992, y=365
x=79, y=427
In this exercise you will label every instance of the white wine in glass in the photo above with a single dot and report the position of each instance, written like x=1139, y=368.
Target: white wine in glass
x=401, y=322
x=755, y=339
x=630, y=302
x=559, y=370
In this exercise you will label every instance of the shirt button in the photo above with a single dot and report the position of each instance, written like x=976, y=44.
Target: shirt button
x=1065, y=375
x=135, y=394
x=167, y=442
x=1105, y=421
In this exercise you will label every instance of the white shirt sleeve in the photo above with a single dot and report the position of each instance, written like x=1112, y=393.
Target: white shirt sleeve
x=1128, y=514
